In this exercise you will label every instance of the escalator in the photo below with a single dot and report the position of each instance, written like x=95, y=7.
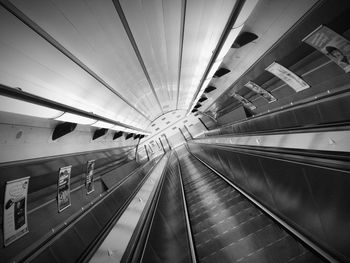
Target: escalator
x=226, y=227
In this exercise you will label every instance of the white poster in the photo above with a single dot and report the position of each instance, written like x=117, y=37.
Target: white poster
x=288, y=77
x=244, y=101
x=89, y=182
x=259, y=90
x=63, y=188
x=333, y=45
x=15, y=210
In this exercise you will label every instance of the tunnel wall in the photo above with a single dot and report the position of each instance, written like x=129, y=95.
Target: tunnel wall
x=44, y=220
x=309, y=193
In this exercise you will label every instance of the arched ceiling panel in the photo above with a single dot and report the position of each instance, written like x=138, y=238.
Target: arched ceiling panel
x=204, y=23
x=155, y=25
x=32, y=64
x=93, y=32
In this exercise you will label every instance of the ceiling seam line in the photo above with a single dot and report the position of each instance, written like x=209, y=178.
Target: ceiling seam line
x=181, y=45
x=230, y=22
x=136, y=49
x=47, y=37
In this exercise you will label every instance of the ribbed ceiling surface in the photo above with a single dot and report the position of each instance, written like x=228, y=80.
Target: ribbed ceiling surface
x=129, y=60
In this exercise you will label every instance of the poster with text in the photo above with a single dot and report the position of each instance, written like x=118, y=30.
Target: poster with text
x=259, y=90
x=89, y=182
x=15, y=210
x=244, y=101
x=291, y=79
x=63, y=189
x=333, y=45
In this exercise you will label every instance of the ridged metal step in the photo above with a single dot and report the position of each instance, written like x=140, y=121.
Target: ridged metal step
x=228, y=228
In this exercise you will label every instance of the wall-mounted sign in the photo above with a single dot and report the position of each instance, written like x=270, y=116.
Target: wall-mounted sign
x=89, y=181
x=63, y=189
x=259, y=90
x=244, y=101
x=333, y=45
x=15, y=210
x=291, y=79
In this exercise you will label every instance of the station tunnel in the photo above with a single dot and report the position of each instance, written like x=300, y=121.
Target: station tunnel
x=175, y=131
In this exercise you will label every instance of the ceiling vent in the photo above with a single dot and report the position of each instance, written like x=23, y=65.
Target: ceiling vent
x=99, y=133
x=63, y=129
x=203, y=98
x=128, y=136
x=209, y=89
x=117, y=135
x=220, y=72
x=243, y=39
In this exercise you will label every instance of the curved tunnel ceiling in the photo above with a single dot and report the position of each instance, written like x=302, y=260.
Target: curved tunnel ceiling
x=132, y=61
x=129, y=61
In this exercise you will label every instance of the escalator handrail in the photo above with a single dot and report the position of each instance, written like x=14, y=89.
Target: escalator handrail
x=92, y=248
x=188, y=225
x=135, y=249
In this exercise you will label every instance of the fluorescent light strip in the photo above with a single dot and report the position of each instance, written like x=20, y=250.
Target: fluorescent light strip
x=102, y=124
x=70, y=117
x=16, y=106
x=229, y=41
x=223, y=51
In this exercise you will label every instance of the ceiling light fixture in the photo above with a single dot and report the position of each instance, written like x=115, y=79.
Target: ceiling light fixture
x=16, y=106
x=239, y=15
x=215, y=66
x=102, y=124
x=17, y=101
x=74, y=118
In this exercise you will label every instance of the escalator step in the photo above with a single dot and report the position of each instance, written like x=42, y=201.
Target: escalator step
x=227, y=227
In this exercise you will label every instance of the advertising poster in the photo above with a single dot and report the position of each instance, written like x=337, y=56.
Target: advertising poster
x=291, y=79
x=63, y=189
x=333, y=45
x=244, y=101
x=89, y=182
x=15, y=210
x=259, y=90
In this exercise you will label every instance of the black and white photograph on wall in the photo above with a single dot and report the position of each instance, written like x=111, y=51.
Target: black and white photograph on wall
x=260, y=91
x=246, y=103
x=89, y=181
x=289, y=77
x=15, y=223
x=333, y=45
x=63, y=189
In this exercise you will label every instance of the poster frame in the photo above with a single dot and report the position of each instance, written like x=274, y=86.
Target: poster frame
x=260, y=91
x=287, y=76
x=64, y=187
x=89, y=177
x=327, y=41
x=7, y=204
